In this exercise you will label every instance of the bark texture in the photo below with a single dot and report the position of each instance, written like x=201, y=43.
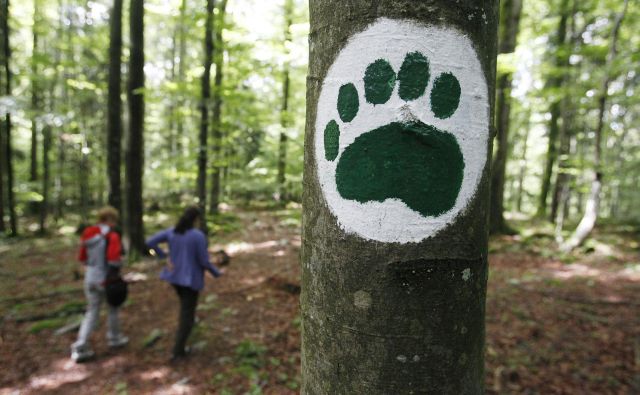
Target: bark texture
x=114, y=107
x=6, y=90
x=217, y=109
x=510, y=23
x=204, y=111
x=284, y=124
x=561, y=61
x=389, y=318
x=135, y=146
x=588, y=221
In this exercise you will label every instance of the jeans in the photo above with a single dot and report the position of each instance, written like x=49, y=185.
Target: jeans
x=95, y=296
x=188, y=303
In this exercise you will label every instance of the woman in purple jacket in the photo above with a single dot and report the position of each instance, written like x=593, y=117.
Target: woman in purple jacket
x=187, y=260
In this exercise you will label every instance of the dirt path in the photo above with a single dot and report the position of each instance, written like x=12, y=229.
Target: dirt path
x=552, y=327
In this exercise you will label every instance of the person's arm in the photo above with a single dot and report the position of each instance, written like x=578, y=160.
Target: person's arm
x=203, y=257
x=153, y=241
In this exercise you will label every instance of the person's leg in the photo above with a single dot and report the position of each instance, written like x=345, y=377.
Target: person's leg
x=188, y=302
x=80, y=349
x=115, y=338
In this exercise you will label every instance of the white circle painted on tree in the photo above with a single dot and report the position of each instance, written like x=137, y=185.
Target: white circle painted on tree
x=448, y=51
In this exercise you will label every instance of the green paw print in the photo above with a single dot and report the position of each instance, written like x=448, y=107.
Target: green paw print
x=408, y=160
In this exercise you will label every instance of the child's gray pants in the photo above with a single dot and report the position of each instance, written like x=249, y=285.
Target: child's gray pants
x=95, y=296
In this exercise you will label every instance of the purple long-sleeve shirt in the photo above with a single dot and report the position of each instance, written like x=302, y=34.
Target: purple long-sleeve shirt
x=188, y=254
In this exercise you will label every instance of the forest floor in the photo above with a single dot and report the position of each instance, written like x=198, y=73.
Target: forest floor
x=555, y=324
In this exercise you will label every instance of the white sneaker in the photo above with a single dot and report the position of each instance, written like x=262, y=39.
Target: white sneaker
x=118, y=342
x=82, y=354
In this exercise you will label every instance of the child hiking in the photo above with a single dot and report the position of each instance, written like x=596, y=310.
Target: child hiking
x=100, y=252
x=187, y=260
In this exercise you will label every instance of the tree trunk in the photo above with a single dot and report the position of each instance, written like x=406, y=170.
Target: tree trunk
x=8, y=154
x=135, y=145
x=393, y=278
x=588, y=221
x=523, y=164
x=204, y=111
x=2, y=179
x=508, y=33
x=46, y=147
x=217, y=108
x=284, y=116
x=555, y=82
x=182, y=54
x=114, y=107
x=35, y=92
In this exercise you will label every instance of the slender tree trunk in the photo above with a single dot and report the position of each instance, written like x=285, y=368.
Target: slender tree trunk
x=284, y=110
x=393, y=298
x=114, y=108
x=562, y=178
x=46, y=147
x=508, y=33
x=204, y=111
x=35, y=91
x=560, y=61
x=2, y=178
x=588, y=221
x=182, y=54
x=523, y=165
x=217, y=109
x=63, y=34
x=8, y=154
x=135, y=146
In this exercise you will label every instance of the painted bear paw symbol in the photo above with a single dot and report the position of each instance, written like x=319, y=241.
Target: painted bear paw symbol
x=407, y=160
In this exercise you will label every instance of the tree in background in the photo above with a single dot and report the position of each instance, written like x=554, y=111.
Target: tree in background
x=284, y=110
x=554, y=83
x=203, y=150
x=6, y=125
x=590, y=216
x=508, y=33
x=135, y=144
x=35, y=92
x=114, y=103
x=390, y=305
x=217, y=135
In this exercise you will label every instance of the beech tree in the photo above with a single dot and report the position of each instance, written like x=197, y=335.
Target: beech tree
x=135, y=145
x=509, y=25
x=5, y=55
x=396, y=195
x=205, y=87
x=114, y=119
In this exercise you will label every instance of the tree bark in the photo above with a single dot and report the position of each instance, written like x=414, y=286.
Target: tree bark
x=35, y=93
x=135, y=145
x=2, y=179
x=590, y=217
x=217, y=109
x=508, y=33
x=204, y=112
x=385, y=317
x=8, y=154
x=182, y=54
x=114, y=107
x=46, y=175
x=284, y=116
x=523, y=164
x=555, y=82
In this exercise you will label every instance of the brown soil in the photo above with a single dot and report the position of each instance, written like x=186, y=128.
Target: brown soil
x=552, y=328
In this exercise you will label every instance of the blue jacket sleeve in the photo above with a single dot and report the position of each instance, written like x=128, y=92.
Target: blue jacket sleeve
x=203, y=257
x=160, y=237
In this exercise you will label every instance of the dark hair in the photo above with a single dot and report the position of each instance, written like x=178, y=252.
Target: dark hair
x=189, y=217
